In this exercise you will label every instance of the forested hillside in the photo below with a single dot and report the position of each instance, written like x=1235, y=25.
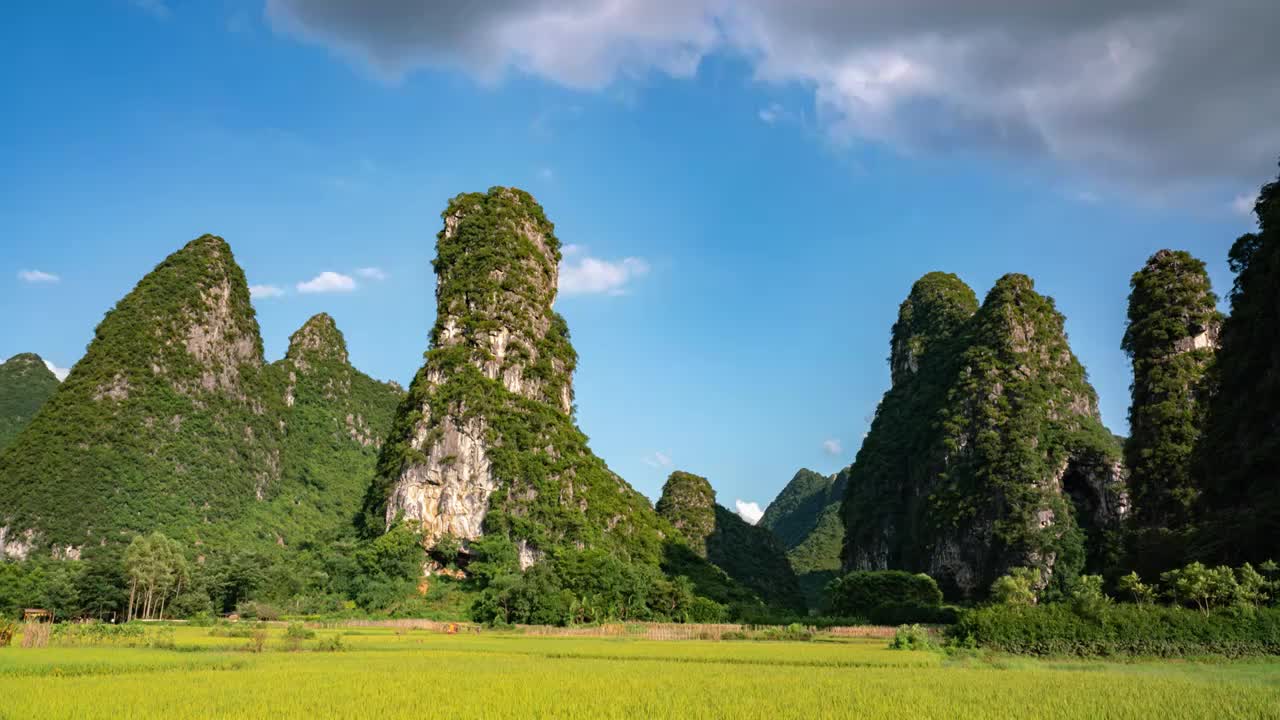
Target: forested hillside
x=25, y=384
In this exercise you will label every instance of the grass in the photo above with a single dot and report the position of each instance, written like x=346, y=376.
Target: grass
x=386, y=674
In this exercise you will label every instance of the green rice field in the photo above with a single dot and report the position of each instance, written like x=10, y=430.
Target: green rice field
x=384, y=673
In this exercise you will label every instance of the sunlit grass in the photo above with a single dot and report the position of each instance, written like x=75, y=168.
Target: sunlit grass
x=388, y=674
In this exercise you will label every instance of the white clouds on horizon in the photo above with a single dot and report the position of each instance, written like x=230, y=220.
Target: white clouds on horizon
x=749, y=511
x=587, y=275
x=37, y=277
x=265, y=291
x=657, y=459
x=372, y=273
x=328, y=282
x=1100, y=87
x=58, y=372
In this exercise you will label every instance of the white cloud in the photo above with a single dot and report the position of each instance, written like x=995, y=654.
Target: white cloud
x=571, y=249
x=1243, y=204
x=58, y=372
x=588, y=276
x=657, y=460
x=1099, y=87
x=265, y=291
x=832, y=446
x=372, y=273
x=749, y=511
x=772, y=114
x=327, y=282
x=37, y=276
x=546, y=174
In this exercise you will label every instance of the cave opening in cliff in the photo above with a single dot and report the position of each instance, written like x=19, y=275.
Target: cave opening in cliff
x=1085, y=501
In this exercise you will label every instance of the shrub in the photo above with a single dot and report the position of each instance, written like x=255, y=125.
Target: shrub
x=1141, y=630
x=7, y=630
x=860, y=592
x=1019, y=587
x=911, y=637
x=1142, y=593
x=258, y=639
x=332, y=643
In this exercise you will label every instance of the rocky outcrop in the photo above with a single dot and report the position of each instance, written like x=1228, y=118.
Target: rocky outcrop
x=335, y=419
x=990, y=453
x=749, y=554
x=485, y=442
x=26, y=382
x=172, y=421
x=1171, y=338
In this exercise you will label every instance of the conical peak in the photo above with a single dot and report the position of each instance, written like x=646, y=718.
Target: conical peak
x=1172, y=307
x=688, y=502
x=938, y=305
x=25, y=360
x=318, y=340
x=496, y=265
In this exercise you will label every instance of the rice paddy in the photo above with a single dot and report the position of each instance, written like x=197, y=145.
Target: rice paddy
x=385, y=674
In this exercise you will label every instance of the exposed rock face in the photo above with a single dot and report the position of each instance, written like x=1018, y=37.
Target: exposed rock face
x=173, y=422
x=485, y=442
x=990, y=454
x=25, y=384
x=806, y=519
x=1172, y=334
x=750, y=555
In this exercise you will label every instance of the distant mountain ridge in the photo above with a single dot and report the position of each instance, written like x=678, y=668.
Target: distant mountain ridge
x=805, y=516
x=26, y=382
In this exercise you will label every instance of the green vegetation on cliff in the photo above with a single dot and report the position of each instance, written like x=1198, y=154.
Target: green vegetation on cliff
x=750, y=555
x=988, y=451
x=172, y=422
x=498, y=382
x=1238, y=461
x=1172, y=333
x=25, y=384
x=806, y=519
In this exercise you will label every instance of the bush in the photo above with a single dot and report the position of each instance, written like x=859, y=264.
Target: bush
x=908, y=613
x=1135, y=630
x=911, y=637
x=331, y=644
x=861, y=592
x=1019, y=587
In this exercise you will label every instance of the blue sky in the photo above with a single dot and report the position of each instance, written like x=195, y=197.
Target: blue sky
x=750, y=195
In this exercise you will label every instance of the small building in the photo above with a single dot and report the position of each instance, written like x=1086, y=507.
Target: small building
x=36, y=615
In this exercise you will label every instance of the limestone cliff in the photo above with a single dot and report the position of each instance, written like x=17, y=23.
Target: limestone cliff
x=989, y=453
x=165, y=423
x=334, y=421
x=485, y=441
x=172, y=421
x=1171, y=337
x=750, y=555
